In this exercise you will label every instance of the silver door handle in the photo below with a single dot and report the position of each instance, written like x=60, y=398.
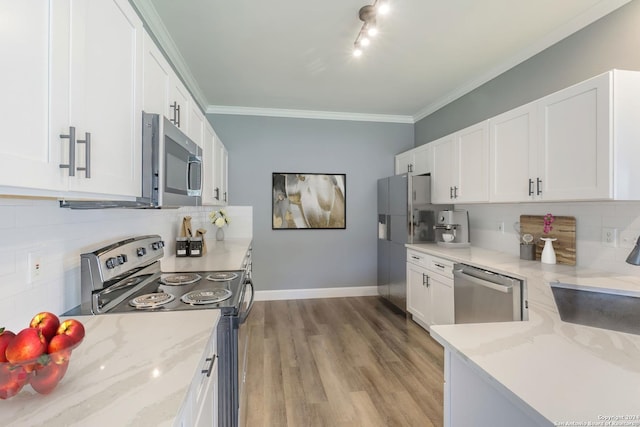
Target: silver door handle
x=87, y=155
x=243, y=316
x=212, y=361
x=538, y=184
x=72, y=151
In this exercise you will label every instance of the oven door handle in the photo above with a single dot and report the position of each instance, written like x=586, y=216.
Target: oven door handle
x=243, y=316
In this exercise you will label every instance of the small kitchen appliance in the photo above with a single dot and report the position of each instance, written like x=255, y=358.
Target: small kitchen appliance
x=125, y=277
x=452, y=228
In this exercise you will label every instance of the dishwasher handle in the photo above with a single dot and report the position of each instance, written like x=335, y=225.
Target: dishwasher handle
x=460, y=273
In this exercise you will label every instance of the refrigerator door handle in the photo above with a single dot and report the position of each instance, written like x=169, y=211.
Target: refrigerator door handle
x=388, y=227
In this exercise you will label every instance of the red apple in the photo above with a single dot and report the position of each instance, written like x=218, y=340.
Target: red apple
x=47, y=322
x=45, y=379
x=5, y=337
x=60, y=348
x=12, y=379
x=72, y=328
x=27, y=345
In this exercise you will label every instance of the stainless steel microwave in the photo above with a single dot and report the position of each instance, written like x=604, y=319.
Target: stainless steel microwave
x=171, y=164
x=171, y=170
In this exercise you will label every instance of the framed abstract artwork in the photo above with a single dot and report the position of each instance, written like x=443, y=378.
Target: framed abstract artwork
x=308, y=200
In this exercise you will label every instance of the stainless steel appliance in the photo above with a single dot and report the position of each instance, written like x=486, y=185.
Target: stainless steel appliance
x=171, y=170
x=405, y=215
x=125, y=277
x=452, y=228
x=483, y=296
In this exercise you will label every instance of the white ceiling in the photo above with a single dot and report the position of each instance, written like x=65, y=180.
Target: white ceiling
x=294, y=57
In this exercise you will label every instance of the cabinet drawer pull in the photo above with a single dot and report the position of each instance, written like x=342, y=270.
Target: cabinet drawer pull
x=538, y=185
x=72, y=151
x=439, y=265
x=87, y=155
x=209, y=370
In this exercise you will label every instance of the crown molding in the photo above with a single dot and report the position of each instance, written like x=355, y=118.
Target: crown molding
x=586, y=18
x=308, y=114
x=159, y=32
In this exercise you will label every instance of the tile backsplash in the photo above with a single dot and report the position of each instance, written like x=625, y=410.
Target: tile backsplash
x=35, y=231
x=591, y=218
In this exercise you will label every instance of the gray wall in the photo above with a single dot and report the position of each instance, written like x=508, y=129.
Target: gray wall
x=611, y=42
x=307, y=259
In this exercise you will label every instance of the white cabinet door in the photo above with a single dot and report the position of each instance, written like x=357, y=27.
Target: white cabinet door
x=418, y=300
x=404, y=162
x=156, y=77
x=209, y=160
x=179, y=104
x=422, y=159
x=472, y=164
x=512, y=148
x=196, y=124
x=106, y=94
x=443, y=175
x=221, y=174
x=442, y=308
x=574, y=142
x=30, y=150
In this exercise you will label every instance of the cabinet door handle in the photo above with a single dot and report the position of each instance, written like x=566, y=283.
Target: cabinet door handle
x=217, y=193
x=530, y=187
x=173, y=106
x=87, y=155
x=455, y=192
x=72, y=151
x=538, y=185
x=225, y=196
x=451, y=192
x=209, y=370
x=178, y=110
x=409, y=167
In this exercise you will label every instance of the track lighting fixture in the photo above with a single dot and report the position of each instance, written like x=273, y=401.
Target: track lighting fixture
x=368, y=15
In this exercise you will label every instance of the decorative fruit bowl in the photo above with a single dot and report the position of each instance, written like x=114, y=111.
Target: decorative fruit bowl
x=38, y=355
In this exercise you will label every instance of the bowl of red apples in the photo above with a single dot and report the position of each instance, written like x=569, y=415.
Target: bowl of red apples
x=37, y=355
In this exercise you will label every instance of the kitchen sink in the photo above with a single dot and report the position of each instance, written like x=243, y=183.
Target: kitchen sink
x=613, y=309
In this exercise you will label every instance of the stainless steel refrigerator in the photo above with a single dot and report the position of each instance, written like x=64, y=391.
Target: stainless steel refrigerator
x=405, y=215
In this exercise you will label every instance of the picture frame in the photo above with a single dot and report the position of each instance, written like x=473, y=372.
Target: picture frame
x=302, y=201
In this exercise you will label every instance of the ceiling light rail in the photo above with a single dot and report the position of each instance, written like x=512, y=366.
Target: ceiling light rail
x=368, y=14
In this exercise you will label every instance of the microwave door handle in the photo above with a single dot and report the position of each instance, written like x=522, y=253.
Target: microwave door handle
x=193, y=160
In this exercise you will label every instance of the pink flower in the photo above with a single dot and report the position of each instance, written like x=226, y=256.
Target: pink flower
x=548, y=220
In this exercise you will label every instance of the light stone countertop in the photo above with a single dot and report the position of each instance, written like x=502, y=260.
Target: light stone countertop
x=225, y=255
x=132, y=369
x=563, y=371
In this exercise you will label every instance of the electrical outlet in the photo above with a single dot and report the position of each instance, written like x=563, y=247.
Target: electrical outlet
x=34, y=262
x=610, y=236
x=628, y=239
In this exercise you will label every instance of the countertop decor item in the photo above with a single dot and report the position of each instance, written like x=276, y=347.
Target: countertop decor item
x=548, y=255
x=563, y=229
x=219, y=219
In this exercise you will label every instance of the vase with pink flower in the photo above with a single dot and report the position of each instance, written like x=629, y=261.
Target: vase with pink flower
x=548, y=252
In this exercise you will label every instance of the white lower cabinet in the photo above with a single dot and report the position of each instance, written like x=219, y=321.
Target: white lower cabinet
x=429, y=289
x=471, y=398
x=200, y=408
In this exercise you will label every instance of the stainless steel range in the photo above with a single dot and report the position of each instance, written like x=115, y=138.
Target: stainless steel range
x=125, y=277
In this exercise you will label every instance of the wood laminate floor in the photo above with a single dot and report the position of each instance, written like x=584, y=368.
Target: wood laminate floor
x=340, y=362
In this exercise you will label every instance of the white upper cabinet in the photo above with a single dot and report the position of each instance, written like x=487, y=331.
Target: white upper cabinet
x=221, y=175
x=461, y=166
x=106, y=97
x=157, y=79
x=30, y=151
x=574, y=159
x=513, y=155
x=417, y=161
x=579, y=143
x=209, y=166
x=82, y=73
x=196, y=124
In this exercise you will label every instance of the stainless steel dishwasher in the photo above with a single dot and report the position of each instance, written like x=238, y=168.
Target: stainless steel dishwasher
x=484, y=296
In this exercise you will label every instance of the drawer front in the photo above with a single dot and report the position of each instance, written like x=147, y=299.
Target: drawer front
x=417, y=258
x=441, y=266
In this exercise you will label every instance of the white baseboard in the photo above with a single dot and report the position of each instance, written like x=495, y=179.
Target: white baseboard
x=285, y=294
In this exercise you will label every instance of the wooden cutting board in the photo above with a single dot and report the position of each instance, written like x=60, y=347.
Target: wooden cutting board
x=564, y=229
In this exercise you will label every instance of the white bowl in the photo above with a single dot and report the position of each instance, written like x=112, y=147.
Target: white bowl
x=448, y=237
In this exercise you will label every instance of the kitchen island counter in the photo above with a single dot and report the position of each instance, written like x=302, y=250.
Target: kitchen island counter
x=558, y=372
x=131, y=369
